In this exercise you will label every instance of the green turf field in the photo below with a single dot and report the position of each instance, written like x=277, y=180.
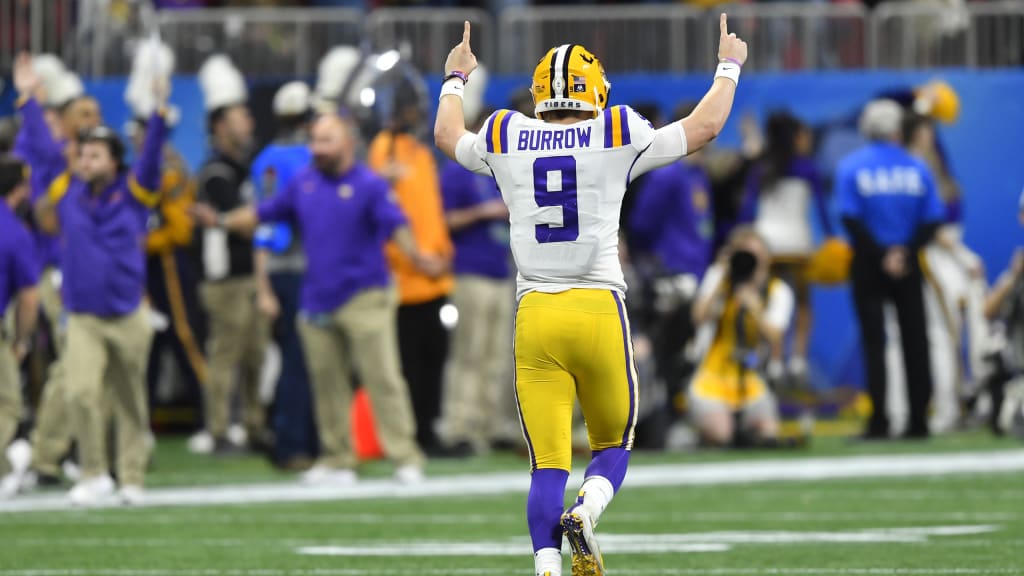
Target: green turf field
x=962, y=523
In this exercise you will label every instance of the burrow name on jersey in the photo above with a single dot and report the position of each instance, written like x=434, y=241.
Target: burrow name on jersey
x=558, y=139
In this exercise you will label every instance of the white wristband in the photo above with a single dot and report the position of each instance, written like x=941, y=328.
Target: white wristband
x=453, y=86
x=728, y=70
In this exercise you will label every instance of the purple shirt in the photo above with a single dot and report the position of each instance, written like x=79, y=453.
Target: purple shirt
x=344, y=222
x=481, y=248
x=672, y=218
x=103, y=236
x=18, y=267
x=36, y=146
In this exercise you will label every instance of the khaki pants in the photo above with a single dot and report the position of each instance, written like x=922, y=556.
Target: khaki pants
x=110, y=352
x=235, y=347
x=360, y=334
x=478, y=398
x=51, y=436
x=10, y=401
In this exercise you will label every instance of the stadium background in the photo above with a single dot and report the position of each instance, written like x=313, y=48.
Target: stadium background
x=952, y=506
x=821, y=61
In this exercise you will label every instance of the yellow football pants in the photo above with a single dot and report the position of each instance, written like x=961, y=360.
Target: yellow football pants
x=574, y=344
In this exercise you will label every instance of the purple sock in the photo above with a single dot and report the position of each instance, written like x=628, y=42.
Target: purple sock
x=610, y=463
x=544, y=507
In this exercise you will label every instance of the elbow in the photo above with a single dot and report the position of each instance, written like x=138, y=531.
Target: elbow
x=444, y=139
x=701, y=130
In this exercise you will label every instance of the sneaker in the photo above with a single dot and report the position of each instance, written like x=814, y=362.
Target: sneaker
x=131, y=495
x=10, y=485
x=19, y=454
x=71, y=471
x=92, y=491
x=409, y=474
x=321, y=475
x=579, y=530
x=200, y=443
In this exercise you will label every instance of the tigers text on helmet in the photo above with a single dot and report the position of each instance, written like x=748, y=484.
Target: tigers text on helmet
x=569, y=77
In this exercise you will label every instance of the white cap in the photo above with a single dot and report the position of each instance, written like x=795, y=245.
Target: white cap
x=334, y=70
x=881, y=119
x=67, y=88
x=222, y=84
x=292, y=99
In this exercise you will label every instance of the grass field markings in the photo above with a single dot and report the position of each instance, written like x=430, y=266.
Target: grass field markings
x=742, y=472
x=719, y=541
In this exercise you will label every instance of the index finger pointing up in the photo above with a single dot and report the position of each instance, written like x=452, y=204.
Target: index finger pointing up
x=465, y=33
x=723, y=25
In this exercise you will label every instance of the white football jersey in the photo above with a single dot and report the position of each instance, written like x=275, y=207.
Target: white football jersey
x=564, y=184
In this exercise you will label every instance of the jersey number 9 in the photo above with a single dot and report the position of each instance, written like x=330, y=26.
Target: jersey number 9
x=559, y=191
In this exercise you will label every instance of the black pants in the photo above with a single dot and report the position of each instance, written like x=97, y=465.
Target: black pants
x=423, y=344
x=871, y=289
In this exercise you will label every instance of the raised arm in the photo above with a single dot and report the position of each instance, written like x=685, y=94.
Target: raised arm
x=708, y=118
x=146, y=175
x=35, y=143
x=450, y=124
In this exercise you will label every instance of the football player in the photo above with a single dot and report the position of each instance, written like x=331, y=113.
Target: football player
x=563, y=175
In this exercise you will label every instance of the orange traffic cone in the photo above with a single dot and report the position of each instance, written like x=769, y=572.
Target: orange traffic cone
x=364, y=430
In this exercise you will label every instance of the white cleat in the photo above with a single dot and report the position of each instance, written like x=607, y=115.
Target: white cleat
x=409, y=474
x=321, y=475
x=579, y=530
x=92, y=491
x=131, y=495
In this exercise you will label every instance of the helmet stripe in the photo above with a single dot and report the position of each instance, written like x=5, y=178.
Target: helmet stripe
x=565, y=70
x=559, y=63
x=551, y=76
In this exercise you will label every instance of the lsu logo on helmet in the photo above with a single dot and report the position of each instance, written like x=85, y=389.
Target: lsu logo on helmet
x=569, y=77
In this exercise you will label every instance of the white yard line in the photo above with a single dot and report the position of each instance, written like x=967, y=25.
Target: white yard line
x=333, y=518
x=739, y=472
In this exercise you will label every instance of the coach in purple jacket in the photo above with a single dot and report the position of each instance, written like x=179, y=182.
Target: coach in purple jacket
x=99, y=210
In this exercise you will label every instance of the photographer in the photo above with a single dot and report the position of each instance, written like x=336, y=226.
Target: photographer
x=742, y=311
x=1004, y=306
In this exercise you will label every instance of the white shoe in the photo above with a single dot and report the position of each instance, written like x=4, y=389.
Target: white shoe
x=19, y=453
x=71, y=471
x=201, y=443
x=409, y=474
x=92, y=491
x=237, y=435
x=131, y=495
x=10, y=485
x=321, y=475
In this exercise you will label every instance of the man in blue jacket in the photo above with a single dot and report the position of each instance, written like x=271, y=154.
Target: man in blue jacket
x=280, y=265
x=889, y=205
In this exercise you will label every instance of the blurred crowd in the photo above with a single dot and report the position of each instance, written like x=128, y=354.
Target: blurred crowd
x=339, y=295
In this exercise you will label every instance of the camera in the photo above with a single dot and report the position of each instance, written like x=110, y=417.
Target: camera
x=742, y=264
